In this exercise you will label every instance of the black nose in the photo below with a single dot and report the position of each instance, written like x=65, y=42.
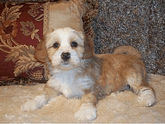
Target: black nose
x=65, y=56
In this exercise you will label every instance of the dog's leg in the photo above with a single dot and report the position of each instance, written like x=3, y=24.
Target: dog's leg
x=87, y=111
x=146, y=95
x=142, y=89
x=40, y=100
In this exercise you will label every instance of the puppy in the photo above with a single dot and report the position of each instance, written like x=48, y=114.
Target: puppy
x=76, y=73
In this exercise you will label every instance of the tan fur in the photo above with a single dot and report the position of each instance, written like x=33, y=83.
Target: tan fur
x=105, y=73
x=127, y=50
x=111, y=73
x=108, y=72
x=89, y=49
x=89, y=98
x=115, y=71
x=41, y=52
x=50, y=92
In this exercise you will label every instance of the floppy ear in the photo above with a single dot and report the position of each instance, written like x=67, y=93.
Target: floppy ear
x=41, y=52
x=89, y=48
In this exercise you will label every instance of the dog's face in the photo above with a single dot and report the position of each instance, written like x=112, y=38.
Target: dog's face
x=65, y=48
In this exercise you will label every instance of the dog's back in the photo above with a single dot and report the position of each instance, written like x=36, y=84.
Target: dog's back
x=124, y=67
x=117, y=69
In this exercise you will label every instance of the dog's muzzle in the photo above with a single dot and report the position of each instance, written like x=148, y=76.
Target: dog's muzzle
x=65, y=56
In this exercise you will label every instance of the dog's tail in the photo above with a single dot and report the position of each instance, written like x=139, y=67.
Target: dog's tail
x=127, y=50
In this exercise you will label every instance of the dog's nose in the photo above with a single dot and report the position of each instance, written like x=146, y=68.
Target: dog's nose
x=65, y=56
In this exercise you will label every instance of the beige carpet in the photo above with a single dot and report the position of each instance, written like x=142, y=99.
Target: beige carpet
x=118, y=107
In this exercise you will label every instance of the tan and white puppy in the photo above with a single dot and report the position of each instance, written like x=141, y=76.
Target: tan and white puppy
x=76, y=73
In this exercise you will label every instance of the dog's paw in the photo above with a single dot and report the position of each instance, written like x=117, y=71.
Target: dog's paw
x=147, y=98
x=35, y=103
x=30, y=105
x=87, y=112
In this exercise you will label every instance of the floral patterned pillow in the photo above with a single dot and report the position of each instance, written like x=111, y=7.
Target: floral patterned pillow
x=21, y=29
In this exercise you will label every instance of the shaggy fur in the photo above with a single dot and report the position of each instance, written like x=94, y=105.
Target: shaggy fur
x=76, y=73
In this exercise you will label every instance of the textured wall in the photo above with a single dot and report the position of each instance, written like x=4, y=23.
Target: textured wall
x=139, y=23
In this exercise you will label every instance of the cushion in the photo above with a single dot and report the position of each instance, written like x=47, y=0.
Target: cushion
x=21, y=28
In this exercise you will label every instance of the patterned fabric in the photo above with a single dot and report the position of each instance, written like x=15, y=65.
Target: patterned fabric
x=21, y=28
x=89, y=16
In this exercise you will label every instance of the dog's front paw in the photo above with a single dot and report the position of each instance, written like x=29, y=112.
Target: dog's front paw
x=35, y=103
x=30, y=105
x=87, y=112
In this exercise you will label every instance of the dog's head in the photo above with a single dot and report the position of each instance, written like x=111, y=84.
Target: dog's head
x=64, y=48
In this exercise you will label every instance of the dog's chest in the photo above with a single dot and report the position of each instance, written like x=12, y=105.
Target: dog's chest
x=70, y=84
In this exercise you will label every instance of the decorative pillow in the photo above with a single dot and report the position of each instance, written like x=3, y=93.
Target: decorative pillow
x=21, y=28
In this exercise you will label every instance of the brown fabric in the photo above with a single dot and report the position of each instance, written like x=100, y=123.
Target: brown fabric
x=21, y=28
x=89, y=16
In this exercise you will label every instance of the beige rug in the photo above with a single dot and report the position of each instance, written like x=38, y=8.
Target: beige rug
x=118, y=107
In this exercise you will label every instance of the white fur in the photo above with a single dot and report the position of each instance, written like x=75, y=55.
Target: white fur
x=64, y=77
x=69, y=83
x=146, y=97
x=35, y=103
x=87, y=112
x=64, y=37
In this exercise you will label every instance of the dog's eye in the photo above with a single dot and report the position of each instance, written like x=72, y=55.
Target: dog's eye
x=56, y=45
x=74, y=44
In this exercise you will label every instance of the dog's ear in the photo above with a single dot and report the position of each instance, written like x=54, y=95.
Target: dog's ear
x=41, y=52
x=89, y=48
